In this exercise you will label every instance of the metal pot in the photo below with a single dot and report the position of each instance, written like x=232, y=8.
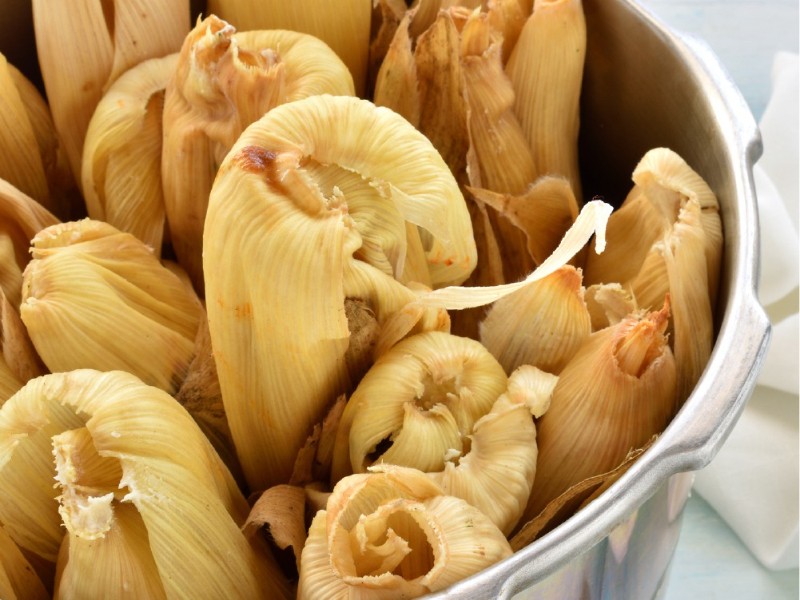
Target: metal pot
x=647, y=86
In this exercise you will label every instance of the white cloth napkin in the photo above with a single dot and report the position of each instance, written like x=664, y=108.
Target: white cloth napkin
x=753, y=481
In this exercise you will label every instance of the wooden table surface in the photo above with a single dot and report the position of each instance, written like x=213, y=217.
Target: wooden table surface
x=710, y=561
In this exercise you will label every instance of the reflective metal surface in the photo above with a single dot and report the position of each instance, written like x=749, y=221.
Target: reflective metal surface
x=647, y=86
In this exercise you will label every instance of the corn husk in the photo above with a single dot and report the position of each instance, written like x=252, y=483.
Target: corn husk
x=344, y=26
x=393, y=534
x=18, y=579
x=544, y=212
x=546, y=72
x=312, y=206
x=18, y=359
x=615, y=394
x=94, y=297
x=679, y=254
x=608, y=304
x=122, y=153
x=135, y=480
x=542, y=325
x=20, y=158
x=223, y=82
x=21, y=218
x=114, y=36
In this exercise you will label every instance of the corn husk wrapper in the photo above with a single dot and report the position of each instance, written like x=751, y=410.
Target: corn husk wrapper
x=544, y=212
x=386, y=18
x=425, y=84
x=20, y=162
x=21, y=218
x=122, y=153
x=95, y=297
x=503, y=161
x=608, y=304
x=344, y=26
x=18, y=579
x=546, y=72
x=353, y=190
x=441, y=404
x=615, y=394
x=135, y=479
x=664, y=185
x=392, y=533
x=223, y=82
x=31, y=158
x=542, y=325
x=19, y=361
x=679, y=254
x=114, y=36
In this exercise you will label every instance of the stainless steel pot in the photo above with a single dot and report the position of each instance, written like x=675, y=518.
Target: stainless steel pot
x=647, y=86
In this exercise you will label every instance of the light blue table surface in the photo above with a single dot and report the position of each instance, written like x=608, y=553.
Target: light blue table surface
x=710, y=561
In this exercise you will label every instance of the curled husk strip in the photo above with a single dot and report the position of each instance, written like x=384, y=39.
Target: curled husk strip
x=135, y=479
x=122, y=153
x=321, y=200
x=442, y=404
x=392, y=533
x=224, y=81
x=615, y=394
x=95, y=297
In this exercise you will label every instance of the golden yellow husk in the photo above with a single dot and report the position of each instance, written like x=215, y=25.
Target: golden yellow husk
x=223, y=82
x=95, y=297
x=135, y=479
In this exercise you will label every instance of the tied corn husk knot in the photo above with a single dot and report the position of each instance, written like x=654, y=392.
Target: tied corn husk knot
x=224, y=81
x=135, y=479
x=114, y=36
x=615, y=394
x=321, y=200
x=122, y=153
x=442, y=404
x=95, y=297
x=393, y=533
